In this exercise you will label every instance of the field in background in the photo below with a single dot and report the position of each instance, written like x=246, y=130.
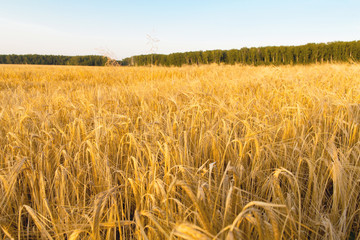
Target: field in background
x=235, y=152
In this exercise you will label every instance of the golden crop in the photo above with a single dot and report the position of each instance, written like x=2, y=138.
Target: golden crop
x=209, y=152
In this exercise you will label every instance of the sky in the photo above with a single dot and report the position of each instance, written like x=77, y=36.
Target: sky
x=121, y=28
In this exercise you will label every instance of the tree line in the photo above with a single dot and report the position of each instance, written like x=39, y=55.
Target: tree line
x=91, y=60
x=304, y=54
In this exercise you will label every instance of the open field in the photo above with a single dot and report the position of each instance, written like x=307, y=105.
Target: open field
x=209, y=152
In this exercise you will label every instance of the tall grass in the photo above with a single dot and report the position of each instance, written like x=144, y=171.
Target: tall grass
x=210, y=152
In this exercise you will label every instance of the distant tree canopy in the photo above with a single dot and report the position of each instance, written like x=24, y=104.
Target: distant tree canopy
x=91, y=60
x=305, y=54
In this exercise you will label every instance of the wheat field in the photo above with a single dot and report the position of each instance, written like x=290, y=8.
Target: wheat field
x=197, y=152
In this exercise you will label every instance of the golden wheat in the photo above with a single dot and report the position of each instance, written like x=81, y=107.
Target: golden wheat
x=209, y=152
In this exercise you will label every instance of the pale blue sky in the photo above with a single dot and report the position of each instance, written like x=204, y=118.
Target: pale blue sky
x=71, y=27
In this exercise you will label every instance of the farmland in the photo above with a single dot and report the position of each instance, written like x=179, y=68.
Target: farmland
x=194, y=152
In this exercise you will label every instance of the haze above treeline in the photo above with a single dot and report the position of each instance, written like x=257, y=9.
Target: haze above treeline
x=272, y=55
